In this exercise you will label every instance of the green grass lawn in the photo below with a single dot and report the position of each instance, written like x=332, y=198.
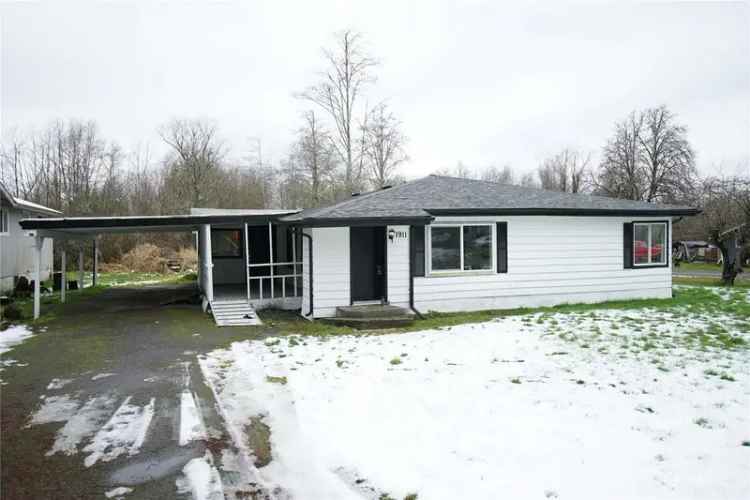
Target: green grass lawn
x=698, y=266
x=106, y=279
x=740, y=283
x=697, y=299
x=51, y=305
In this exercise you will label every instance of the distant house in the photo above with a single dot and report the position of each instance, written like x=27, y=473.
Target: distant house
x=16, y=247
x=433, y=244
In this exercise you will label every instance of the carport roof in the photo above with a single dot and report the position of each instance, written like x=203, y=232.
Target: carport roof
x=89, y=226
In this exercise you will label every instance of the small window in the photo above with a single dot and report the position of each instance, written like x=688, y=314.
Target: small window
x=226, y=243
x=649, y=244
x=461, y=248
x=4, y=223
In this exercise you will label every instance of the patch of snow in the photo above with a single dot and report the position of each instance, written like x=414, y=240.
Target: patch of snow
x=123, y=433
x=82, y=424
x=58, y=383
x=118, y=492
x=137, y=282
x=191, y=423
x=54, y=409
x=13, y=336
x=589, y=411
x=102, y=375
x=201, y=479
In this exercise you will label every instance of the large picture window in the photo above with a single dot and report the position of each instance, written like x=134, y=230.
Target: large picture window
x=649, y=244
x=461, y=248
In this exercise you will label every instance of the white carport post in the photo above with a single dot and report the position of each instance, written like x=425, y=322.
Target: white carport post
x=80, y=268
x=38, y=242
x=64, y=278
x=96, y=264
x=207, y=262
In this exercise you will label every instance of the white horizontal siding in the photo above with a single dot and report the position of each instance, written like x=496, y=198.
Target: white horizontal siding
x=398, y=266
x=330, y=270
x=551, y=260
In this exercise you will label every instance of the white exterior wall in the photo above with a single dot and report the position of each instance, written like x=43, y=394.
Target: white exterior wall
x=551, y=260
x=330, y=270
x=17, y=252
x=398, y=266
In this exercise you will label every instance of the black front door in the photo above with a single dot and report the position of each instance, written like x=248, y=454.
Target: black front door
x=367, y=258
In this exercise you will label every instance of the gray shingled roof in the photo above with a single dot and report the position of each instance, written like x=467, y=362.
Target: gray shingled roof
x=439, y=195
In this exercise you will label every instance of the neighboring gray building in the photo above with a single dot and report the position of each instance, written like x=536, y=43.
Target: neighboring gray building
x=16, y=246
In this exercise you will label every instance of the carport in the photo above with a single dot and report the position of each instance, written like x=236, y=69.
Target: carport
x=247, y=259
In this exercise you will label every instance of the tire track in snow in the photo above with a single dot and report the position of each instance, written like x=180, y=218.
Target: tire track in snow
x=123, y=433
x=82, y=424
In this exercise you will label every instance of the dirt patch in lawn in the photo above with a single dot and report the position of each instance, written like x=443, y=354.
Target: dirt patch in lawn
x=259, y=439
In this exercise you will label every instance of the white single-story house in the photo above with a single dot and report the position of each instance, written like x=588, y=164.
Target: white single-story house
x=433, y=244
x=16, y=247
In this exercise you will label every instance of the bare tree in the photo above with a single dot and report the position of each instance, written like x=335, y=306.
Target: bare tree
x=384, y=145
x=726, y=220
x=566, y=171
x=314, y=155
x=649, y=159
x=668, y=159
x=198, y=154
x=528, y=181
x=499, y=176
x=349, y=71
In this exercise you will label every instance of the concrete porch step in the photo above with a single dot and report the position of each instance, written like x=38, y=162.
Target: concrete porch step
x=372, y=316
x=373, y=311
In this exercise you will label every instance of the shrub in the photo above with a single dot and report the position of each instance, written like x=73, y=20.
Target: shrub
x=188, y=258
x=144, y=258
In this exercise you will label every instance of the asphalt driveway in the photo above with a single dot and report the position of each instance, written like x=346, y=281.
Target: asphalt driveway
x=95, y=402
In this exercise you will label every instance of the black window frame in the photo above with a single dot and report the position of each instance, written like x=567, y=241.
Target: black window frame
x=630, y=259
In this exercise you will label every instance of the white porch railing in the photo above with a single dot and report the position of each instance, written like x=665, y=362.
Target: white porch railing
x=288, y=281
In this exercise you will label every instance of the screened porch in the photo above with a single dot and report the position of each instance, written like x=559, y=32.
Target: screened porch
x=261, y=264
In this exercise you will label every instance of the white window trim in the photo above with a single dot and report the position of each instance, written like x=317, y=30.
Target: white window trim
x=650, y=225
x=4, y=214
x=460, y=272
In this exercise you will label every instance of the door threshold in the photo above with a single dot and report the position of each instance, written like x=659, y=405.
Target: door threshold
x=368, y=302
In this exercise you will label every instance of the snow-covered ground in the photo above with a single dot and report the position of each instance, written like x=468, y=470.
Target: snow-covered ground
x=10, y=338
x=605, y=404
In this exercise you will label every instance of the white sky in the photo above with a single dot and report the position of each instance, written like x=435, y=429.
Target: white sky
x=482, y=82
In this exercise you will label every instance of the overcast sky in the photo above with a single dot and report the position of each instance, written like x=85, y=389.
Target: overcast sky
x=481, y=82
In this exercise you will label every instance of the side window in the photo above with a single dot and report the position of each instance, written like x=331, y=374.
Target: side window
x=649, y=246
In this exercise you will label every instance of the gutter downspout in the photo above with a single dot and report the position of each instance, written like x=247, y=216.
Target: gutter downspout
x=312, y=295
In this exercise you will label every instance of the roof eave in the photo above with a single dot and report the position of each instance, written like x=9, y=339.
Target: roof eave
x=581, y=212
x=145, y=222
x=361, y=221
